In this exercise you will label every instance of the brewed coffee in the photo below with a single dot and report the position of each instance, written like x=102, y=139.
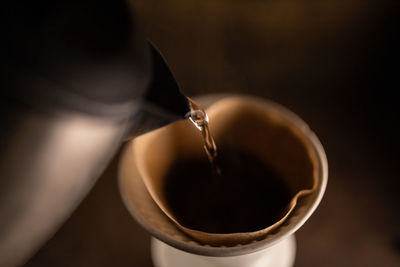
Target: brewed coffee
x=247, y=195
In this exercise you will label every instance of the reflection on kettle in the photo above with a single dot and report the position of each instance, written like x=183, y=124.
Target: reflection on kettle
x=77, y=79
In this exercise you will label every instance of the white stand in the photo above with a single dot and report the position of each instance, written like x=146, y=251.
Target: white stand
x=281, y=254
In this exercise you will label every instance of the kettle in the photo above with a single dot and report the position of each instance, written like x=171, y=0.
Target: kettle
x=77, y=78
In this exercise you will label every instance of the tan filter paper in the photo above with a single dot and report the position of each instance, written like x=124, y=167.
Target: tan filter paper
x=250, y=124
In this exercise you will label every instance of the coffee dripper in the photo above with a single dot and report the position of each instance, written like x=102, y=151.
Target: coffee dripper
x=276, y=135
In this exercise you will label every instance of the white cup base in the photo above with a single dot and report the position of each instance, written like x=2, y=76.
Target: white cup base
x=282, y=254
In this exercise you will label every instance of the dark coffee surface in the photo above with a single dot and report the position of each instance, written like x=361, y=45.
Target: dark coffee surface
x=247, y=196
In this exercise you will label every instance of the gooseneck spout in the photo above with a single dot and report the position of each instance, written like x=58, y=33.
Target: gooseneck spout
x=163, y=102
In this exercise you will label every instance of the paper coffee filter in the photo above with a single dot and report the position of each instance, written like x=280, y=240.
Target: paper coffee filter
x=234, y=121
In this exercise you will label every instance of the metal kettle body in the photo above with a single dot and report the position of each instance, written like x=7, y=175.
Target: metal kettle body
x=77, y=79
x=48, y=163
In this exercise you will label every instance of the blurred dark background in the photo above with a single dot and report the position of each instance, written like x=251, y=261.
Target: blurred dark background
x=334, y=63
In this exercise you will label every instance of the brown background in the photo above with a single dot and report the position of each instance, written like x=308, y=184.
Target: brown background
x=335, y=63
